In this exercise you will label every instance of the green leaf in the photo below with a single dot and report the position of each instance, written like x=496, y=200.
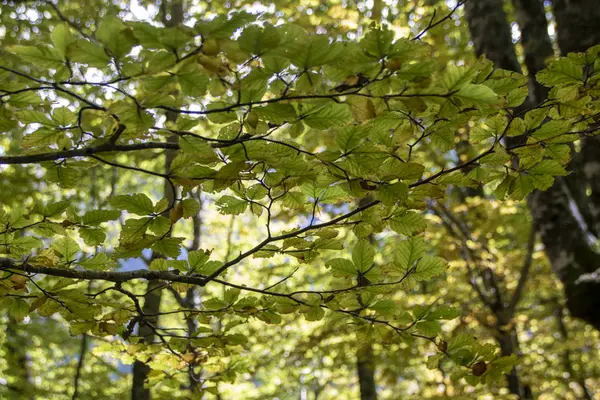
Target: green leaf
x=40, y=56
x=23, y=245
x=444, y=312
x=520, y=186
x=392, y=194
x=477, y=94
x=138, y=203
x=99, y=262
x=312, y=313
x=231, y=295
x=66, y=177
x=407, y=252
x=410, y=170
x=363, y=255
x=429, y=267
x=62, y=38
x=551, y=129
x=209, y=267
x=408, y=223
x=92, y=236
x=257, y=40
x=197, y=259
x=193, y=82
x=88, y=53
x=327, y=115
x=115, y=35
x=160, y=225
x=190, y=208
x=548, y=167
x=223, y=26
x=198, y=148
x=134, y=229
x=159, y=264
x=561, y=72
x=96, y=217
x=18, y=309
x=169, y=247
x=385, y=307
x=312, y=51
x=214, y=304
x=377, y=43
x=231, y=205
x=428, y=328
x=32, y=116
x=67, y=248
x=456, y=76
x=340, y=267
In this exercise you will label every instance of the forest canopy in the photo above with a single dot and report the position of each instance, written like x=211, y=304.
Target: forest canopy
x=314, y=200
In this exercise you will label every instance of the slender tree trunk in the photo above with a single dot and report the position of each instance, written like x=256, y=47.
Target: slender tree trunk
x=365, y=360
x=17, y=359
x=153, y=297
x=365, y=367
x=509, y=345
x=141, y=369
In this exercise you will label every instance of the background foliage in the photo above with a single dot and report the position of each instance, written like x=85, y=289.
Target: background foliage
x=290, y=200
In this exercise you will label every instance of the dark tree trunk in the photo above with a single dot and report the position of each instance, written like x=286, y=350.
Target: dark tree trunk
x=585, y=16
x=577, y=23
x=509, y=344
x=491, y=34
x=365, y=367
x=140, y=369
x=536, y=43
x=563, y=237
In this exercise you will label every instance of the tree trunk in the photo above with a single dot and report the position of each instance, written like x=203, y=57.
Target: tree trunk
x=576, y=24
x=564, y=239
x=365, y=361
x=585, y=15
x=575, y=259
x=153, y=297
x=16, y=356
x=536, y=43
x=365, y=367
x=140, y=369
x=509, y=345
x=491, y=34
